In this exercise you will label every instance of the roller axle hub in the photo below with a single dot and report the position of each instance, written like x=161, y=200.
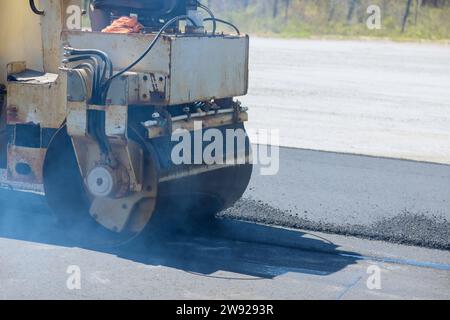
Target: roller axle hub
x=104, y=181
x=104, y=198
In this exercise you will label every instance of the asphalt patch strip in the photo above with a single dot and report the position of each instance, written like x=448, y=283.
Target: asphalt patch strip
x=405, y=228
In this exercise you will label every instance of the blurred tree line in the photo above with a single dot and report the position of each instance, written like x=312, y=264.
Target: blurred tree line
x=426, y=19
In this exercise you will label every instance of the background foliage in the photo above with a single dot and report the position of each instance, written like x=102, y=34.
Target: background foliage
x=401, y=19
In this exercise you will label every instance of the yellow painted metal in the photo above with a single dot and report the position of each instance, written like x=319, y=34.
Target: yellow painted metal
x=192, y=68
x=38, y=103
x=25, y=36
x=20, y=36
x=32, y=157
x=35, y=40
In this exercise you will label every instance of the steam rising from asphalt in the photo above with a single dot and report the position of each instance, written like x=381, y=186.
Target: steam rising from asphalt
x=197, y=248
x=25, y=216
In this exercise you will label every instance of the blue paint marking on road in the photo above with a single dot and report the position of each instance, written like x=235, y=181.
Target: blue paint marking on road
x=422, y=264
x=276, y=271
x=349, y=286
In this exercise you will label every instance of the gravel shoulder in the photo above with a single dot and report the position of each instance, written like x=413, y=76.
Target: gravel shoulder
x=376, y=198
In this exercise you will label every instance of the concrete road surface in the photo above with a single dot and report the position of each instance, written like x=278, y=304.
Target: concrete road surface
x=229, y=259
x=380, y=99
x=377, y=198
x=375, y=98
x=221, y=260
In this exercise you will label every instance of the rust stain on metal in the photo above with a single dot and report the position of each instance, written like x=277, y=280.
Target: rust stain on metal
x=12, y=114
x=25, y=164
x=212, y=121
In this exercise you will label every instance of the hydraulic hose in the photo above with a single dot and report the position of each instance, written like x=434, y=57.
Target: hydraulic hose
x=35, y=9
x=98, y=78
x=102, y=55
x=224, y=22
x=212, y=17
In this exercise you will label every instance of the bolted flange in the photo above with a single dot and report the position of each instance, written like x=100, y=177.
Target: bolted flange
x=104, y=181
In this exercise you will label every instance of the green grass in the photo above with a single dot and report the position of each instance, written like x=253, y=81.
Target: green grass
x=432, y=25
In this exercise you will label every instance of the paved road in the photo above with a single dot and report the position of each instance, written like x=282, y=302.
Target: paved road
x=319, y=95
x=388, y=199
x=376, y=98
x=239, y=260
x=224, y=260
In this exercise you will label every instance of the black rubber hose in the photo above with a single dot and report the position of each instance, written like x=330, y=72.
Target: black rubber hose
x=101, y=54
x=97, y=81
x=224, y=22
x=96, y=129
x=91, y=68
x=213, y=18
x=101, y=132
x=96, y=119
x=108, y=65
x=35, y=9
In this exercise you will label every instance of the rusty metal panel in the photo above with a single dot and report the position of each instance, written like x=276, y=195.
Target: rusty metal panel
x=37, y=102
x=213, y=121
x=123, y=49
x=181, y=69
x=152, y=88
x=77, y=119
x=25, y=164
x=128, y=154
x=16, y=67
x=116, y=121
x=58, y=14
x=205, y=67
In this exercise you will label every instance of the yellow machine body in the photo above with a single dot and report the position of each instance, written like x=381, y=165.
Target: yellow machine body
x=122, y=162
x=20, y=36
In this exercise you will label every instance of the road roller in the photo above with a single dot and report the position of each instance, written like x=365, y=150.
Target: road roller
x=101, y=99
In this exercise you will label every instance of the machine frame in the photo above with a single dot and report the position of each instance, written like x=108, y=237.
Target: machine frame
x=188, y=78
